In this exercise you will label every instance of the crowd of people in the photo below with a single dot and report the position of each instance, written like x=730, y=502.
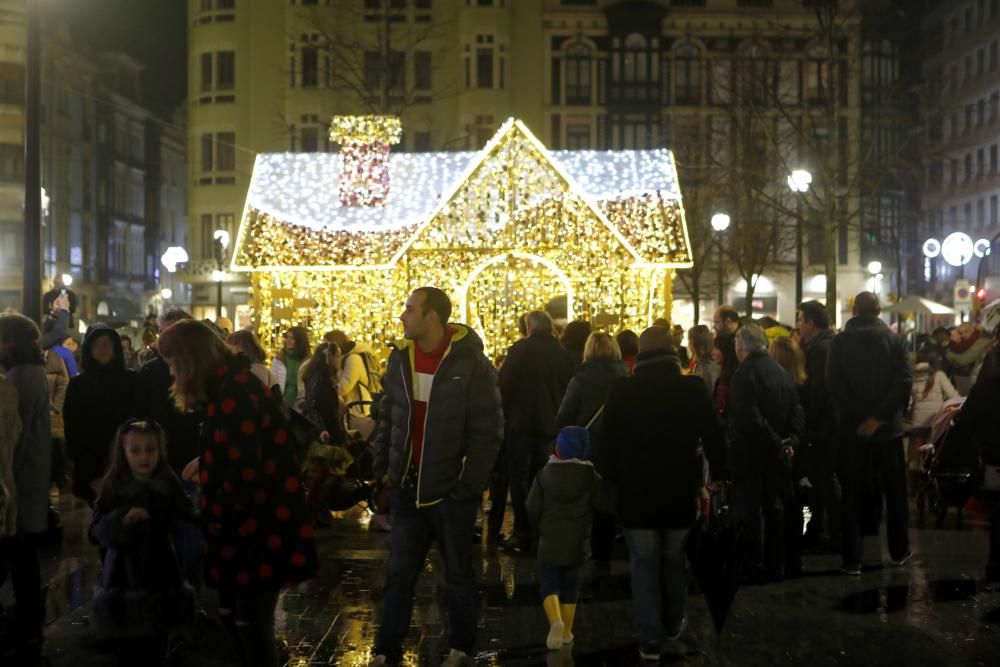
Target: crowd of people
x=192, y=462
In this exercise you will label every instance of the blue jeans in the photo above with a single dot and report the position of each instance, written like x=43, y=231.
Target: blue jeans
x=450, y=524
x=559, y=580
x=659, y=586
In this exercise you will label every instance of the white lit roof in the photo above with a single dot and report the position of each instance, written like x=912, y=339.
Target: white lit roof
x=303, y=188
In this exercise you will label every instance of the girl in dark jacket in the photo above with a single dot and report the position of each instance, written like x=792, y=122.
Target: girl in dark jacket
x=581, y=406
x=559, y=505
x=322, y=403
x=139, y=502
x=98, y=400
x=256, y=531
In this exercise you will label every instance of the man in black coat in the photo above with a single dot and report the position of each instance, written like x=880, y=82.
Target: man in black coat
x=869, y=376
x=820, y=466
x=657, y=419
x=533, y=380
x=767, y=423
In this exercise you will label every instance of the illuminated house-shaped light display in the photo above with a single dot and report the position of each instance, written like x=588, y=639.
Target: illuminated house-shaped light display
x=503, y=230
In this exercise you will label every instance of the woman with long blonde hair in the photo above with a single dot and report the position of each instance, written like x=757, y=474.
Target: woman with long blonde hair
x=257, y=535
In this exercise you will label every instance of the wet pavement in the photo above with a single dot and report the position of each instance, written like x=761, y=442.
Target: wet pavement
x=934, y=611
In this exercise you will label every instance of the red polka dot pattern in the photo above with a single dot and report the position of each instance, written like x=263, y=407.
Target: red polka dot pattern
x=257, y=534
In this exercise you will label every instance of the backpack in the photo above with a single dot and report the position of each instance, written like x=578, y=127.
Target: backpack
x=373, y=382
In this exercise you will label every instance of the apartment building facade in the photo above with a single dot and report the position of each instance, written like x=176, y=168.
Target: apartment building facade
x=582, y=74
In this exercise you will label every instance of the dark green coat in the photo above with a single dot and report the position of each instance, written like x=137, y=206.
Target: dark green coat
x=560, y=508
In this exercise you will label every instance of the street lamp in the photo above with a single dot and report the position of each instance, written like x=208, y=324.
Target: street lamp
x=875, y=269
x=799, y=182
x=720, y=223
x=221, y=240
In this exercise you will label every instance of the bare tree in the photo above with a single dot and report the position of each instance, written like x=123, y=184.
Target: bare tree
x=372, y=57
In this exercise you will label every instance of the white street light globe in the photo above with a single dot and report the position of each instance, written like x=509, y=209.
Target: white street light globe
x=957, y=249
x=932, y=248
x=981, y=248
x=222, y=236
x=720, y=222
x=800, y=180
x=874, y=267
x=166, y=293
x=67, y=279
x=217, y=276
x=173, y=256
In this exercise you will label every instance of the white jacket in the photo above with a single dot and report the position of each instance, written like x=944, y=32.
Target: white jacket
x=354, y=379
x=923, y=408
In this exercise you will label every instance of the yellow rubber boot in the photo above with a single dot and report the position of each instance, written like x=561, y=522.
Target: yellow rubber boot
x=568, y=612
x=552, y=612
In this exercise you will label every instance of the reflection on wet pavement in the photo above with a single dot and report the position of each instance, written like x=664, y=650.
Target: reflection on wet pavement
x=935, y=611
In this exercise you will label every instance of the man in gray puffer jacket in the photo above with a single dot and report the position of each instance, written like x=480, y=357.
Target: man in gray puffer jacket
x=439, y=430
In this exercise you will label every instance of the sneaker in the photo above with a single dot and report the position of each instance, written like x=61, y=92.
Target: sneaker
x=515, y=543
x=900, y=562
x=650, y=651
x=456, y=658
x=674, y=637
x=554, y=640
x=851, y=569
x=568, y=639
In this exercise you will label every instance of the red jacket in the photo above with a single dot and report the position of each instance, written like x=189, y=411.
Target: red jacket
x=256, y=530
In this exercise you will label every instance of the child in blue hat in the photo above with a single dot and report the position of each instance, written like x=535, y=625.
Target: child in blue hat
x=560, y=508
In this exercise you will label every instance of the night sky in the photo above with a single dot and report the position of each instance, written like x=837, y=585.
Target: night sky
x=153, y=31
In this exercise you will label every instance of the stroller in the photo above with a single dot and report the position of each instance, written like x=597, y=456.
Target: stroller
x=949, y=470
x=340, y=476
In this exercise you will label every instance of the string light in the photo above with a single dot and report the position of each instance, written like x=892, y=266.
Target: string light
x=365, y=142
x=503, y=231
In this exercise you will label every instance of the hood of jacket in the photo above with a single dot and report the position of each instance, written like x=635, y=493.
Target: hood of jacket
x=567, y=481
x=824, y=336
x=87, y=360
x=867, y=326
x=463, y=339
x=657, y=361
x=601, y=371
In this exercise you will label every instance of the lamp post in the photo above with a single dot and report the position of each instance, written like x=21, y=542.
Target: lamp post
x=720, y=223
x=799, y=182
x=170, y=258
x=221, y=240
x=31, y=299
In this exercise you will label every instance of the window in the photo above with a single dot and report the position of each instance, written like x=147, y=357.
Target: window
x=206, y=152
x=578, y=61
x=221, y=146
x=577, y=137
x=374, y=69
x=755, y=74
x=484, y=66
x=687, y=78
x=967, y=174
x=969, y=109
x=422, y=70
x=422, y=142
x=309, y=142
x=11, y=83
x=225, y=70
x=309, y=61
x=720, y=80
x=225, y=147
x=993, y=159
x=935, y=174
x=953, y=172
x=788, y=83
x=993, y=211
x=980, y=62
x=994, y=107
x=206, y=71
x=423, y=4
x=980, y=163
x=635, y=131
x=981, y=213
x=207, y=236
x=817, y=77
x=993, y=56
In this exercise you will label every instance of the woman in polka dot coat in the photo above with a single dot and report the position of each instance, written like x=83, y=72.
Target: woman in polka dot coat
x=257, y=534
